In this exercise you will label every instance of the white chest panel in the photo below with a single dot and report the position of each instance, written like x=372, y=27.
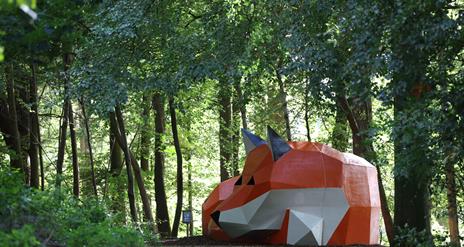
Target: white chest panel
x=314, y=214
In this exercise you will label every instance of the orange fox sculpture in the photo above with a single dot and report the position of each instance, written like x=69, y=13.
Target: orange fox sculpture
x=297, y=193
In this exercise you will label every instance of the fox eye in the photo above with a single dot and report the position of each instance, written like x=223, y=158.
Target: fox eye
x=252, y=181
x=239, y=181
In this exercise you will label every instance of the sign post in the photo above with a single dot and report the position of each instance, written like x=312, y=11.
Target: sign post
x=187, y=219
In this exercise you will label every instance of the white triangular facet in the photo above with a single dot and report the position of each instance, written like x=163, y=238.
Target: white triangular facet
x=250, y=209
x=304, y=229
x=334, y=208
x=235, y=216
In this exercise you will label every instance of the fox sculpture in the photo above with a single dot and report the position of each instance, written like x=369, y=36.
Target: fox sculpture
x=297, y=193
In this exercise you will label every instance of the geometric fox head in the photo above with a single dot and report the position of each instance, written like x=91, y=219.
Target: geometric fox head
x=295, y=193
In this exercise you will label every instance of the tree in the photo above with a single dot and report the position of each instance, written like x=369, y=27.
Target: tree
x=180, y=177
x=162, y=215
x=130, y=179
x=34, y=141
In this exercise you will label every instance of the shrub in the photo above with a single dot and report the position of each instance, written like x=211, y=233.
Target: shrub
x=23, y=237
x=30, y=217
x=410, y=237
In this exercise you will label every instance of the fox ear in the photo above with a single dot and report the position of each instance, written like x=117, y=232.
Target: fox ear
x=251, y=140
x=277, y=145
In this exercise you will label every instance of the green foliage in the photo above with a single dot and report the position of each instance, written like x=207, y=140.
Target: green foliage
x=410, y=237
x=97, y=234
x=23, y=237
x=31, y=3
x=55, y=217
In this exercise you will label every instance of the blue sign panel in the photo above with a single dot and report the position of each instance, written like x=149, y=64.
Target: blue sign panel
x=187, y=216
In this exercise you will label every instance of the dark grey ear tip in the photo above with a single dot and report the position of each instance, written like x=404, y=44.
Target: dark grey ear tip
x=251, y=140
x=278, y=146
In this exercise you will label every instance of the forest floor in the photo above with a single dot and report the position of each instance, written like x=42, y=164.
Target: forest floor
x=204, y=241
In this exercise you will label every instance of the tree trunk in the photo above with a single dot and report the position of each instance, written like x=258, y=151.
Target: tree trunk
x=75, y=163
x=413, y=169
x=306, y=111
x=283, y=98
x=34, y=142
x=359, y=121
x=180, y=182
x=118, y=204
x=84, y=168
x=67, y=60
x=235, y=133
x=144, y=134
x=42, y=172
x=62, y=143
x=340, y=133
x=115, y=151
x=453, y=220
x=148, y=215
x=162, y=215
x=130, y=179
x=188, y=157
x=363, y=114
x=190, y=188
x=89, y=145
x=411, y=186
x=241, y=104
x=225, y=115
x=16, y=160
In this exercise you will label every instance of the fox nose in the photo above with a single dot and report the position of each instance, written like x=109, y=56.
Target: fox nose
x=215, y=216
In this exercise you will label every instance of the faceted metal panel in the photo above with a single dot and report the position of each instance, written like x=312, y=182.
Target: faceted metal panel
x=251, y=140
x=267, y=211
x=304, y=229
x=306, y=193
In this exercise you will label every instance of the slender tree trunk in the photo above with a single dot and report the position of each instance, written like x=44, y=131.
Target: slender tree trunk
x=235, y=132
x=24, y=126
x=130, y=179
x=283, y=98
x=148, y=215
x=162, y=215
x=180, y=182
x=42, y=172
x=188, y=157
x=67, y=60
x=115, y=151
x=75, y=163
x=144, y=134
x=340, y=133
x=453, y=220
x=34, y=142
x=241, y=104
x=225, y=115
x=89, y=145
x=118, y=204
x=190, y=188
x=84, y=168
x=17, y=160
x=62, y=143
x=359, y=122
x=306, y=111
